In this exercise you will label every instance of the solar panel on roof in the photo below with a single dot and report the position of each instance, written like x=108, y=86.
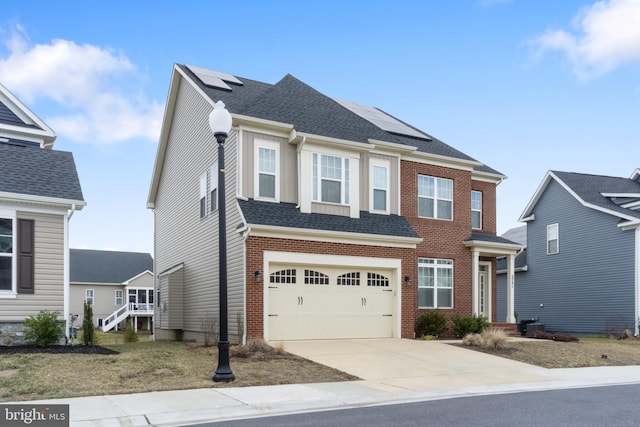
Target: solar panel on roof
x=214, y=78
x=381, y=119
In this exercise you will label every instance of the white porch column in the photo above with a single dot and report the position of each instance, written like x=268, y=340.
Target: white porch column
x=475, y=262
x=511, y=262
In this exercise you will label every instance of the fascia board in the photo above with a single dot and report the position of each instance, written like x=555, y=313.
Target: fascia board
x=21, y=110
x=50, y=201
x=330, y=236
x=438, y=160
x=487, y=177
x=527, y=213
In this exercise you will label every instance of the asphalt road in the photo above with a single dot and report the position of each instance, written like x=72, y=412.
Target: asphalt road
x=595, y=406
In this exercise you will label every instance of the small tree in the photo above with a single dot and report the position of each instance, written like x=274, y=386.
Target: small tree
x=44, y=329
x=130, y=334
x=87, y=324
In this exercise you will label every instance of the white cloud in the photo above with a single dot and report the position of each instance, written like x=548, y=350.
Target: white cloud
x=605, y=35
x=93, y=88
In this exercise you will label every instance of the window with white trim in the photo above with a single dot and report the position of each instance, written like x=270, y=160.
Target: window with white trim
x=435, y=197
x=213, y=181
x=379, y=179
x=203, y=195
x=6, y=254
x=553, y=241
x=476, y=210
x=88, y=296
x=267, y=177
x=119, y=298
x=435, y=283
x=330, y=179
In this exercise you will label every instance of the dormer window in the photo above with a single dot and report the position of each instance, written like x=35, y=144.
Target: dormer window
x=330, y=179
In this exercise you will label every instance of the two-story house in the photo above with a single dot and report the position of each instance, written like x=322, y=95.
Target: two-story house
x=119, y=286
x=580, y=273
x=342, y=221
x=39, y=192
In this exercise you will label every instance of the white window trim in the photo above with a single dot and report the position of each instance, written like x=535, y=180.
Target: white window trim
x=93, y=296
x=373, y=163
x=271, y=145
x=121, y=298
x=11, y=293
x=345, y=179
x=476, y=210
x=203, y=195
x=213, y=181
x=436, y=197
x=557, y=238
x=435, y=266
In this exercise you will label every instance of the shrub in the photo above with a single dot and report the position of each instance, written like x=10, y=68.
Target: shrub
x=44, y=329
x=432, y=323
x=130, y=334
x=209, y=326
x=87, y=324
x=493, y=338
x=465, y=325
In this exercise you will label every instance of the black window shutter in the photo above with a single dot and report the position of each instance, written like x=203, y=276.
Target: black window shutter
x=26, y=243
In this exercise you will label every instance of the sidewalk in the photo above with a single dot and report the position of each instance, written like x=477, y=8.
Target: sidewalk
x=460, y=373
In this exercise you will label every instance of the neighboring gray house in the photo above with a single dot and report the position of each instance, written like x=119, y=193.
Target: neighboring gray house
x=119, y=285
x=39, y=192
x=580, y=273
x=342, y=221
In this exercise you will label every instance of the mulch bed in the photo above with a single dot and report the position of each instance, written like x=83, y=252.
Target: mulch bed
x=56, y=349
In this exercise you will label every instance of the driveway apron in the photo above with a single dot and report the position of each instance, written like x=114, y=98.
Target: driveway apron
x=413, y=365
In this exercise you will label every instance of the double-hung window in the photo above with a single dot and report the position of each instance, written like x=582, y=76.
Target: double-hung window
x=379, y=178
x=266, y=182
x=119, y=297
x=553, y=241
x=6, y=254
x=213, y=178
x=88, y=296
x=203, y=195
x=330, y=179
x=435, y=197
x=435, y=283
x=476, y=210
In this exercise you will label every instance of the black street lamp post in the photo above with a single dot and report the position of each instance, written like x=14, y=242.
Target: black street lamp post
x=220, y=123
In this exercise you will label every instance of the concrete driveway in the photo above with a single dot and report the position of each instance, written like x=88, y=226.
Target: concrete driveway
x=413, y=365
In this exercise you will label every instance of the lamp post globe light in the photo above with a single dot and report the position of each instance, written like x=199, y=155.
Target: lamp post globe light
x=220, y=124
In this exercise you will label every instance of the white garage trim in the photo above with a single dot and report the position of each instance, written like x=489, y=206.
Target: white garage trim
x=333, y=261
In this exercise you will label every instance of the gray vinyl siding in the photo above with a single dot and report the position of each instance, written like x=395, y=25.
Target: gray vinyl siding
x=589, y=285
x=104, y=300
x=501, y=296
x=49, y=271
x=181, y=235
x=288, y=166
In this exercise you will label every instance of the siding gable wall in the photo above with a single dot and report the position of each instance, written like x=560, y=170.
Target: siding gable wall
x=187, y=238
x=589, y=285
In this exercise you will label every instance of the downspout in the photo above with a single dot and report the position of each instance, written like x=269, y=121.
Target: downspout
x=244, y=299
x=299, y=150
x=637, y=281
x=65, y=272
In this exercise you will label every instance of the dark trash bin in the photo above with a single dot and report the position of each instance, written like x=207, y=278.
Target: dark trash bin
x=523, y=326
x=532, y=328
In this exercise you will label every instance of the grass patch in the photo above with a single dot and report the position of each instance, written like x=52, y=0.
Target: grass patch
x=149, y=366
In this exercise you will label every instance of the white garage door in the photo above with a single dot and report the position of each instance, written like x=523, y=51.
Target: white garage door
x=313, y=302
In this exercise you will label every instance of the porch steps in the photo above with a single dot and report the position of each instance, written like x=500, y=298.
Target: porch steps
x=511, y=329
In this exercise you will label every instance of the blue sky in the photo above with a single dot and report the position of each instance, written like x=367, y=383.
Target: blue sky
x=523, y=86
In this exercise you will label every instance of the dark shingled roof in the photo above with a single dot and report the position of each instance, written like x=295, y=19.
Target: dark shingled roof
x=287, y=215
x=309, y=111
x=491, y=238
x=39, y=172
x=520, y=261
x=590, y=187
x=92, y=266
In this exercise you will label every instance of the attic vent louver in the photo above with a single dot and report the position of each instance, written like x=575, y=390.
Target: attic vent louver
x=214, y=78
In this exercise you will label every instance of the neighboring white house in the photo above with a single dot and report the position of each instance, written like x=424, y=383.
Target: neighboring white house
x=119, y=285
x=39, y=192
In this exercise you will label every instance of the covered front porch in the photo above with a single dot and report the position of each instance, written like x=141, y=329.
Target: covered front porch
x=483, y=246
